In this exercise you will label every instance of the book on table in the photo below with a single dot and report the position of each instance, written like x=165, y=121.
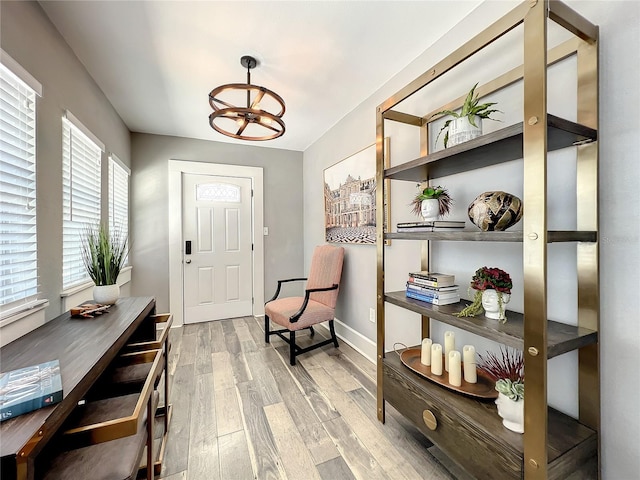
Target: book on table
x=432, y=292
x=428, y=229
x=432, y=279
x=435, y=223
x=450, y=288
x=432, y=300
x=30, y=388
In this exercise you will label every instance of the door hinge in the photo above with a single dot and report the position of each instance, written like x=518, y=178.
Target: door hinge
x=252, y=192
x=252, y=247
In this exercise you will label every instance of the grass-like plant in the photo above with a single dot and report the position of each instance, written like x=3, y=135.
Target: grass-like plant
x=507, y=370
x=428, y=193
x=470, y=108
x=103, y=253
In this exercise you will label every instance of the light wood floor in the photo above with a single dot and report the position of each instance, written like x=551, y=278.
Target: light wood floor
x=240, y=411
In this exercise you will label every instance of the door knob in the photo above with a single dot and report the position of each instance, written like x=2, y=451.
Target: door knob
x=187, y=261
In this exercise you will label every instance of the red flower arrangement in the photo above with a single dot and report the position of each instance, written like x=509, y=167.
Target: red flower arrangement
x=495, y=278
x=488, y=278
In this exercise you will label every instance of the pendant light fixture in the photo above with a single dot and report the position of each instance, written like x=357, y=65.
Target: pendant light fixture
x=253, y=122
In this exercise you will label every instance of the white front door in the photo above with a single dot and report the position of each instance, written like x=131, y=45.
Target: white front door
x=217, y=247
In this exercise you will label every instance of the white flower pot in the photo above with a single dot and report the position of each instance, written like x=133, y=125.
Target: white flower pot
x=512, y=413
x=491, y=303
x=460, y=130
x=106, y=294
x=430, y=209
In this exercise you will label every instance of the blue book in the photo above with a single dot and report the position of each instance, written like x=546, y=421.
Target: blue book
x=30, y=388
x=432, y=300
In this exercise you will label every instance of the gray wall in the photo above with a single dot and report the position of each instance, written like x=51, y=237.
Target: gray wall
x=29, y=38
x=619, y=215
x=282, y=206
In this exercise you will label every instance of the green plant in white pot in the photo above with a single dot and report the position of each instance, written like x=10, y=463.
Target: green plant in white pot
x=466, y=124
x=104, y=254
x=507, y=369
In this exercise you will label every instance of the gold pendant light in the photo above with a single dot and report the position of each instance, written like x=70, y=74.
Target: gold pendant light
x=253, y=122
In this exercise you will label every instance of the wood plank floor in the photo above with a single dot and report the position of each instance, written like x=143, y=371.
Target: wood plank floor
x=240, y=411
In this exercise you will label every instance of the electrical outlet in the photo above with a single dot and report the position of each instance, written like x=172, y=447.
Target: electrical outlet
x=372, y=315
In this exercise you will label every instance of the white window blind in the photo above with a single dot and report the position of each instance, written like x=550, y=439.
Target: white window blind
x=118, y=198
x=18, y=247
x=81, y=198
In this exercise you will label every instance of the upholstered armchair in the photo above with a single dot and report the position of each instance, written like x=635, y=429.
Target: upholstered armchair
x=318, y=304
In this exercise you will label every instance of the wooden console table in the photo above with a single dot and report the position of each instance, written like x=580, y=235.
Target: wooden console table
x=84, y=347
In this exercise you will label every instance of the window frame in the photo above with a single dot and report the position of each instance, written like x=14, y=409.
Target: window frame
x=81, y=207
x=20, y=144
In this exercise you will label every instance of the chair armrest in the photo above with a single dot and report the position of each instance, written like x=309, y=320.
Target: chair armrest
x=296, y=316
x=280, y=282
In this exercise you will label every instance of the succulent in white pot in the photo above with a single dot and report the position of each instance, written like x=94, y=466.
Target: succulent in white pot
x=467, y=123
x=507, y=369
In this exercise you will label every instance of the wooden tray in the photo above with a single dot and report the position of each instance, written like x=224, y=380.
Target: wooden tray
x=485, y=388
x=89, y=310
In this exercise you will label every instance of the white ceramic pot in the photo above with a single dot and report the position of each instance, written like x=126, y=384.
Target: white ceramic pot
x=430, y=209
x=461, y=130
x=491, y=303
x=512, y=413
x=106, y=294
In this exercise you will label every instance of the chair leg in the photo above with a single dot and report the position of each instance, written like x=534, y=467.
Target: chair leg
x=313, y=332
x=333, y=334
x=292, y=347
x=266, y=329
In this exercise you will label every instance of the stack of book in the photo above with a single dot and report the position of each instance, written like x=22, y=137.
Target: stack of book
x=434, y=288
x=435, y=226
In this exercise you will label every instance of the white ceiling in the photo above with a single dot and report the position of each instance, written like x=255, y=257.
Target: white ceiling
x=157, y=61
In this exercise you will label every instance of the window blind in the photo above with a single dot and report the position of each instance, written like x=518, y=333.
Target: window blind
x=118, y=198
x=18, y=242
x=81, y=198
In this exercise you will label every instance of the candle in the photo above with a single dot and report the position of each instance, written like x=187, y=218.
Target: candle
x=455, y=369
x=449, y=345
x=425, y=354
x=469, y=362
x=436, y=359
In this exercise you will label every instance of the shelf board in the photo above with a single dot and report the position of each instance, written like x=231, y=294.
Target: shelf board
x=493, y=148
x=561, y=338
x=553, y=236
x=569, y=442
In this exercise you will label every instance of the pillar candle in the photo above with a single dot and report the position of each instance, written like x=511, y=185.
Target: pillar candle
x=469, y=362
x=425, y=354
x=436, y=359
x=449, y=345
x=455, y=368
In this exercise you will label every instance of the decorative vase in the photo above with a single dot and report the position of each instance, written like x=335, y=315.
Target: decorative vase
x=495, y=211
x=430, y=209
x=491, y=303
x=512, y=413
x=106, y=294
x=461, y=130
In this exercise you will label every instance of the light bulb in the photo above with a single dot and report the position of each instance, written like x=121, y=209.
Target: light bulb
x=240, y=121
x=256, y=106
x=265, y=120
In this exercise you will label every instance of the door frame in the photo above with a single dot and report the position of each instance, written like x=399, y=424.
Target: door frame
x=176, y=274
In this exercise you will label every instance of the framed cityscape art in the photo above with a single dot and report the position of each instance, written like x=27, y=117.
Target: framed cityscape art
x=350, y=198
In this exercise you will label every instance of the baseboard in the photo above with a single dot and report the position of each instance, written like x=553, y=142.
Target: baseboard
x=354, y=339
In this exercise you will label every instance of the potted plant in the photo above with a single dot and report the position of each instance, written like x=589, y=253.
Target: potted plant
x=466, y=124
x=507, y=370
x=493, y=291
x=431, y=202
x=104, y=255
